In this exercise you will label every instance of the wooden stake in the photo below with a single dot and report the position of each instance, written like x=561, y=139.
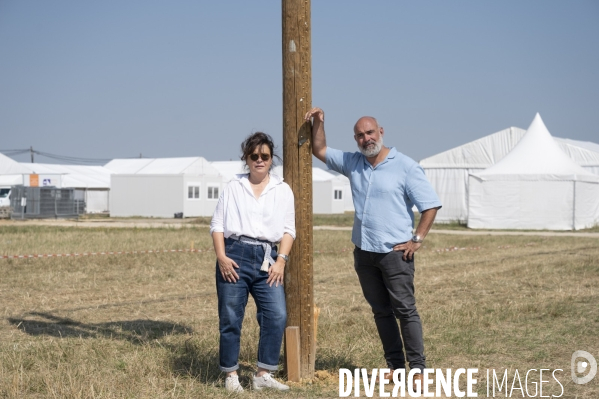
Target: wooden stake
x=316, y=314
x=292, y=350
x=297, y=171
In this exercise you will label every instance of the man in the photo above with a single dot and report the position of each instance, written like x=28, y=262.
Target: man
x=385, y=185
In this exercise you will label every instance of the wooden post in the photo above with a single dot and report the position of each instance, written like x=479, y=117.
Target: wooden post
x=292, y=347
x=297, y=171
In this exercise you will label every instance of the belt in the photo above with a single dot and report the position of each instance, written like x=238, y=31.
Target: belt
x=266, y=245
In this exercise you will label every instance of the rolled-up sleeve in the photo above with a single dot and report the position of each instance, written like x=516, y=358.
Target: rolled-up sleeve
x=335, y=160
x=289, y=226
x=218, y=218
x=420, y=191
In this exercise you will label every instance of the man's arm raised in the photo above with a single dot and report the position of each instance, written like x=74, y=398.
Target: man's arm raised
x=319, y=140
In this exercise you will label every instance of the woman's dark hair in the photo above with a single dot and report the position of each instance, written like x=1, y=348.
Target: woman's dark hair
x=256, y=140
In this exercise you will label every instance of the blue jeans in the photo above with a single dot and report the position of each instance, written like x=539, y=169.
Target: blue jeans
x=388, y=285
x=232, y=299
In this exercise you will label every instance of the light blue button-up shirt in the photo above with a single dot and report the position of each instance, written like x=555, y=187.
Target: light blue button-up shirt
x=383, y=197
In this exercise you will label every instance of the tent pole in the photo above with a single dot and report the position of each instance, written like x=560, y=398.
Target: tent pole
x=574, y=205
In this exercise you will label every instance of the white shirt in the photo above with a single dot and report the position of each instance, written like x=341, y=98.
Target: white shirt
x=265, y=218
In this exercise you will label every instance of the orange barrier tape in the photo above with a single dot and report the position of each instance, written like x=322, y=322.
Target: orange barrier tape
x=157, y=251
x=450, y=249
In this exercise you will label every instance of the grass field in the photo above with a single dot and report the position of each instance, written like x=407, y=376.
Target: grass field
x=145, y=325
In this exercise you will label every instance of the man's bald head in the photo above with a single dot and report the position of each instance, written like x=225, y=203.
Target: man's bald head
x=369, y=120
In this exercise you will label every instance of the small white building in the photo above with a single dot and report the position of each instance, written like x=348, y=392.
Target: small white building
x=330, y=193
x=163, y=187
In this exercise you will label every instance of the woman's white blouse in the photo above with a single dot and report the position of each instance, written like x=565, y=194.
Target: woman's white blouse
x=266, y=218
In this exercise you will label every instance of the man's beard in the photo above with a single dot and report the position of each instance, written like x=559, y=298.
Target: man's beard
x=372, y=150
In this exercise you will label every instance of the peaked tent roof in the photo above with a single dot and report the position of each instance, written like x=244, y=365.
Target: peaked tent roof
x=127, y=166
x=488, y=150
x=480, y=153
x=537, y=156
x=9, y=166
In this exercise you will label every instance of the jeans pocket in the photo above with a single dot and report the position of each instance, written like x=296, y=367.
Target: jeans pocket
x=229, y=247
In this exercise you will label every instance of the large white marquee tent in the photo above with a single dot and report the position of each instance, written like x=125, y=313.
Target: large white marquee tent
x=535, y=186
x=448, y=171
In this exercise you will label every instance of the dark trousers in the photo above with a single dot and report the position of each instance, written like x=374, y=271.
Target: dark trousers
x=388, y=285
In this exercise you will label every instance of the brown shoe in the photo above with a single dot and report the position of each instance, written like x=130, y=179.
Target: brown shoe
x=419, y=378
x=389, y=375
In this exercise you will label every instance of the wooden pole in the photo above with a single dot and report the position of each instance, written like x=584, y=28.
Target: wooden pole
x=297, y=171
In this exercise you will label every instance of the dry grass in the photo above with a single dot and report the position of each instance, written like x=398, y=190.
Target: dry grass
x=145, y=326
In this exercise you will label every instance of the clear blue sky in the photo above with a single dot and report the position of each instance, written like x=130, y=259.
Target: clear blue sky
x=113, y=79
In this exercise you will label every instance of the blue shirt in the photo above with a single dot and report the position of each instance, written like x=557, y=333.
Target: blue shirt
x=383, y=197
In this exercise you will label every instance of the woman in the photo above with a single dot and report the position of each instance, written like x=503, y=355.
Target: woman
x=255, y=211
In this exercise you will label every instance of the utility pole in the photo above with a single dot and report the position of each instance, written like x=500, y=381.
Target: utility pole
x=297, y=170
x=31, y=151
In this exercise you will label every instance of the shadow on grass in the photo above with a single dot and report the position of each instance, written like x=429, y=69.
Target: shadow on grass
x=134, y=331
x=198, y=360
x=333, y=363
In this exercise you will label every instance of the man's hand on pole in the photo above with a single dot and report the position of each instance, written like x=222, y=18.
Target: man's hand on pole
x=316, y=113
x=319, y=140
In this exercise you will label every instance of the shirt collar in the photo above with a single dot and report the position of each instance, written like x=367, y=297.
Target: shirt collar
x=274, y=179
x=392, y=154
x=243, y=179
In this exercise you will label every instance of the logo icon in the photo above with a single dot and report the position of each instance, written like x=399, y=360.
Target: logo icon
x=589, y=364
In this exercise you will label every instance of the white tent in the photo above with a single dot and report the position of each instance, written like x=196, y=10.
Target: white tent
x=535, y=186
x=584, y=153
x=92, y=183
x=11, y=172
x=329, y=192
x=448, y=171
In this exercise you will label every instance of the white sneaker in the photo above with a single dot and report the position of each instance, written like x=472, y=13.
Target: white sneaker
x=266, y=381
x=232, y=384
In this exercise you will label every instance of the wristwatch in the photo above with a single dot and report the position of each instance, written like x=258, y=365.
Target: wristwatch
x=416, y=238
x=285, y=257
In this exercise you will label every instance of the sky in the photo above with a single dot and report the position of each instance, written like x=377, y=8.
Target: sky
x=123, y=79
